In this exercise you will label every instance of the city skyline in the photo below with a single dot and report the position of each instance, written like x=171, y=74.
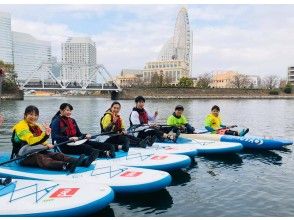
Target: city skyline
x=253, y=39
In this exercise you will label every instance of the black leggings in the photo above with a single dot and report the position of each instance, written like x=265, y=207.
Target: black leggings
x=230, y=132
x=151, y=132
x=87, y=148
x=119, y=140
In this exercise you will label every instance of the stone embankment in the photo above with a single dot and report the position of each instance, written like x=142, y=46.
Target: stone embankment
x=194, y=93
x=12, y=96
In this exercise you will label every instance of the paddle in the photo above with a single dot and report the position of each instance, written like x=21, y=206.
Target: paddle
x=32, y=153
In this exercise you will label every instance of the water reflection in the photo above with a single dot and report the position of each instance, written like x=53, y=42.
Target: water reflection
x=153, y=203
x=180, y=177
x=264, y=156
x=106, y=212
x=224, y=160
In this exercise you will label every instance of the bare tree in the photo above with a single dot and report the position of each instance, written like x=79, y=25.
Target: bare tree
x=167, y=79
x=241, y=81
x=204, y=80
x=270, y=82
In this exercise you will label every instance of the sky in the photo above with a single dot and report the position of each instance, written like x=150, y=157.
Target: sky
x=251, y=39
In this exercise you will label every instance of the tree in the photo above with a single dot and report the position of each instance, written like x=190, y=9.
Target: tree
x=9, y=82
x=270, y=82
x=204, y=80
x=157, y=80
x=241, y=81
x=288, y=88
x=185, y=82
x=167, y=79
x=154, y=79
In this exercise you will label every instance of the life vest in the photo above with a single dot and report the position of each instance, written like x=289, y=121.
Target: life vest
x=17, y=144
x=143, y=116
x=116, y=127
x=212, y=121
x=68, y=126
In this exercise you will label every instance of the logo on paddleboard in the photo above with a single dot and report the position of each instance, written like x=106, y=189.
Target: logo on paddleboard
x=64, y=193
x=252, y=140
x=131, y=174
x=158, y=157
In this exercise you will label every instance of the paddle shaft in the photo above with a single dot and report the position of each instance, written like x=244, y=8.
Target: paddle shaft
x=32, y=153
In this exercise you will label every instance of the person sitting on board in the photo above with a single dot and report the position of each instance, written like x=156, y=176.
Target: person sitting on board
x=28, y=137
x=139, y=121
x=213, y=124
x=112, y=121
x=179, y=122
x=66, y=128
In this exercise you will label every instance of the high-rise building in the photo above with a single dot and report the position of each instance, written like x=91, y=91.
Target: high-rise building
x=5, y=38
x=180, y=46
x=175, y=58
x=29, y=55
x=291, y=74
x=78, y=59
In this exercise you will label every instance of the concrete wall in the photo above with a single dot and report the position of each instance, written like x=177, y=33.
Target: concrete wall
x=131, y=93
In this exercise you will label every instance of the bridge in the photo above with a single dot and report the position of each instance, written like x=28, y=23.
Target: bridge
x=96, y=79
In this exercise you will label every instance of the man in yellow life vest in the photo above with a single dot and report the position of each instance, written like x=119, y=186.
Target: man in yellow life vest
x=213, y=124
x=179, y=121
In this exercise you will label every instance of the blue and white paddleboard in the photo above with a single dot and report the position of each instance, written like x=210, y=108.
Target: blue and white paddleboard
x=206, y=147
x=121, y=179
x=150, y=159
x=250, y=142
x=169, y=148
x=52, y=198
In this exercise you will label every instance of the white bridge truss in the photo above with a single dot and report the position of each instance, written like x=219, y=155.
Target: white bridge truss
x=98, y=78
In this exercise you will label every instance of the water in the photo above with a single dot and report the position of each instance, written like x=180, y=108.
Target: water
x=247, y=184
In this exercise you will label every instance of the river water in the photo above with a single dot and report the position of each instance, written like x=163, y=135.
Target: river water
x=246, y=184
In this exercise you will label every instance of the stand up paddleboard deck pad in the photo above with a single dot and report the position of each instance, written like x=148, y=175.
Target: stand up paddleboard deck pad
x=52, y=198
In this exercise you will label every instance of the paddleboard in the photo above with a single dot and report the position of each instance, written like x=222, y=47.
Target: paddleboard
x=24, y=198
x=250, y=142
x=120, y=178
x=170, y=148
x=205, y=146
x=150, y=159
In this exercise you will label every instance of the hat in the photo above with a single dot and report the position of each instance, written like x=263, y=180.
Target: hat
x=179, y=107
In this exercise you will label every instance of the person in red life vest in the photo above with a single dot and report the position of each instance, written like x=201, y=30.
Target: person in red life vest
x=112, y=121
x=139, y=120
x=66, y=128
x=28, y=137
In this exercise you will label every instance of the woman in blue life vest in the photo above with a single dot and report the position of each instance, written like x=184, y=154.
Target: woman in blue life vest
x=213, y=124
x=65, y=128
x=139, y=121
x=29, y=137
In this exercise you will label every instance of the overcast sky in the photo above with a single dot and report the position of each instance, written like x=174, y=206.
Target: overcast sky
x=251, y=39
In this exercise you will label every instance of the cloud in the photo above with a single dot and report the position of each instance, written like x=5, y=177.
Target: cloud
x=255, y=39
x=55, y=33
